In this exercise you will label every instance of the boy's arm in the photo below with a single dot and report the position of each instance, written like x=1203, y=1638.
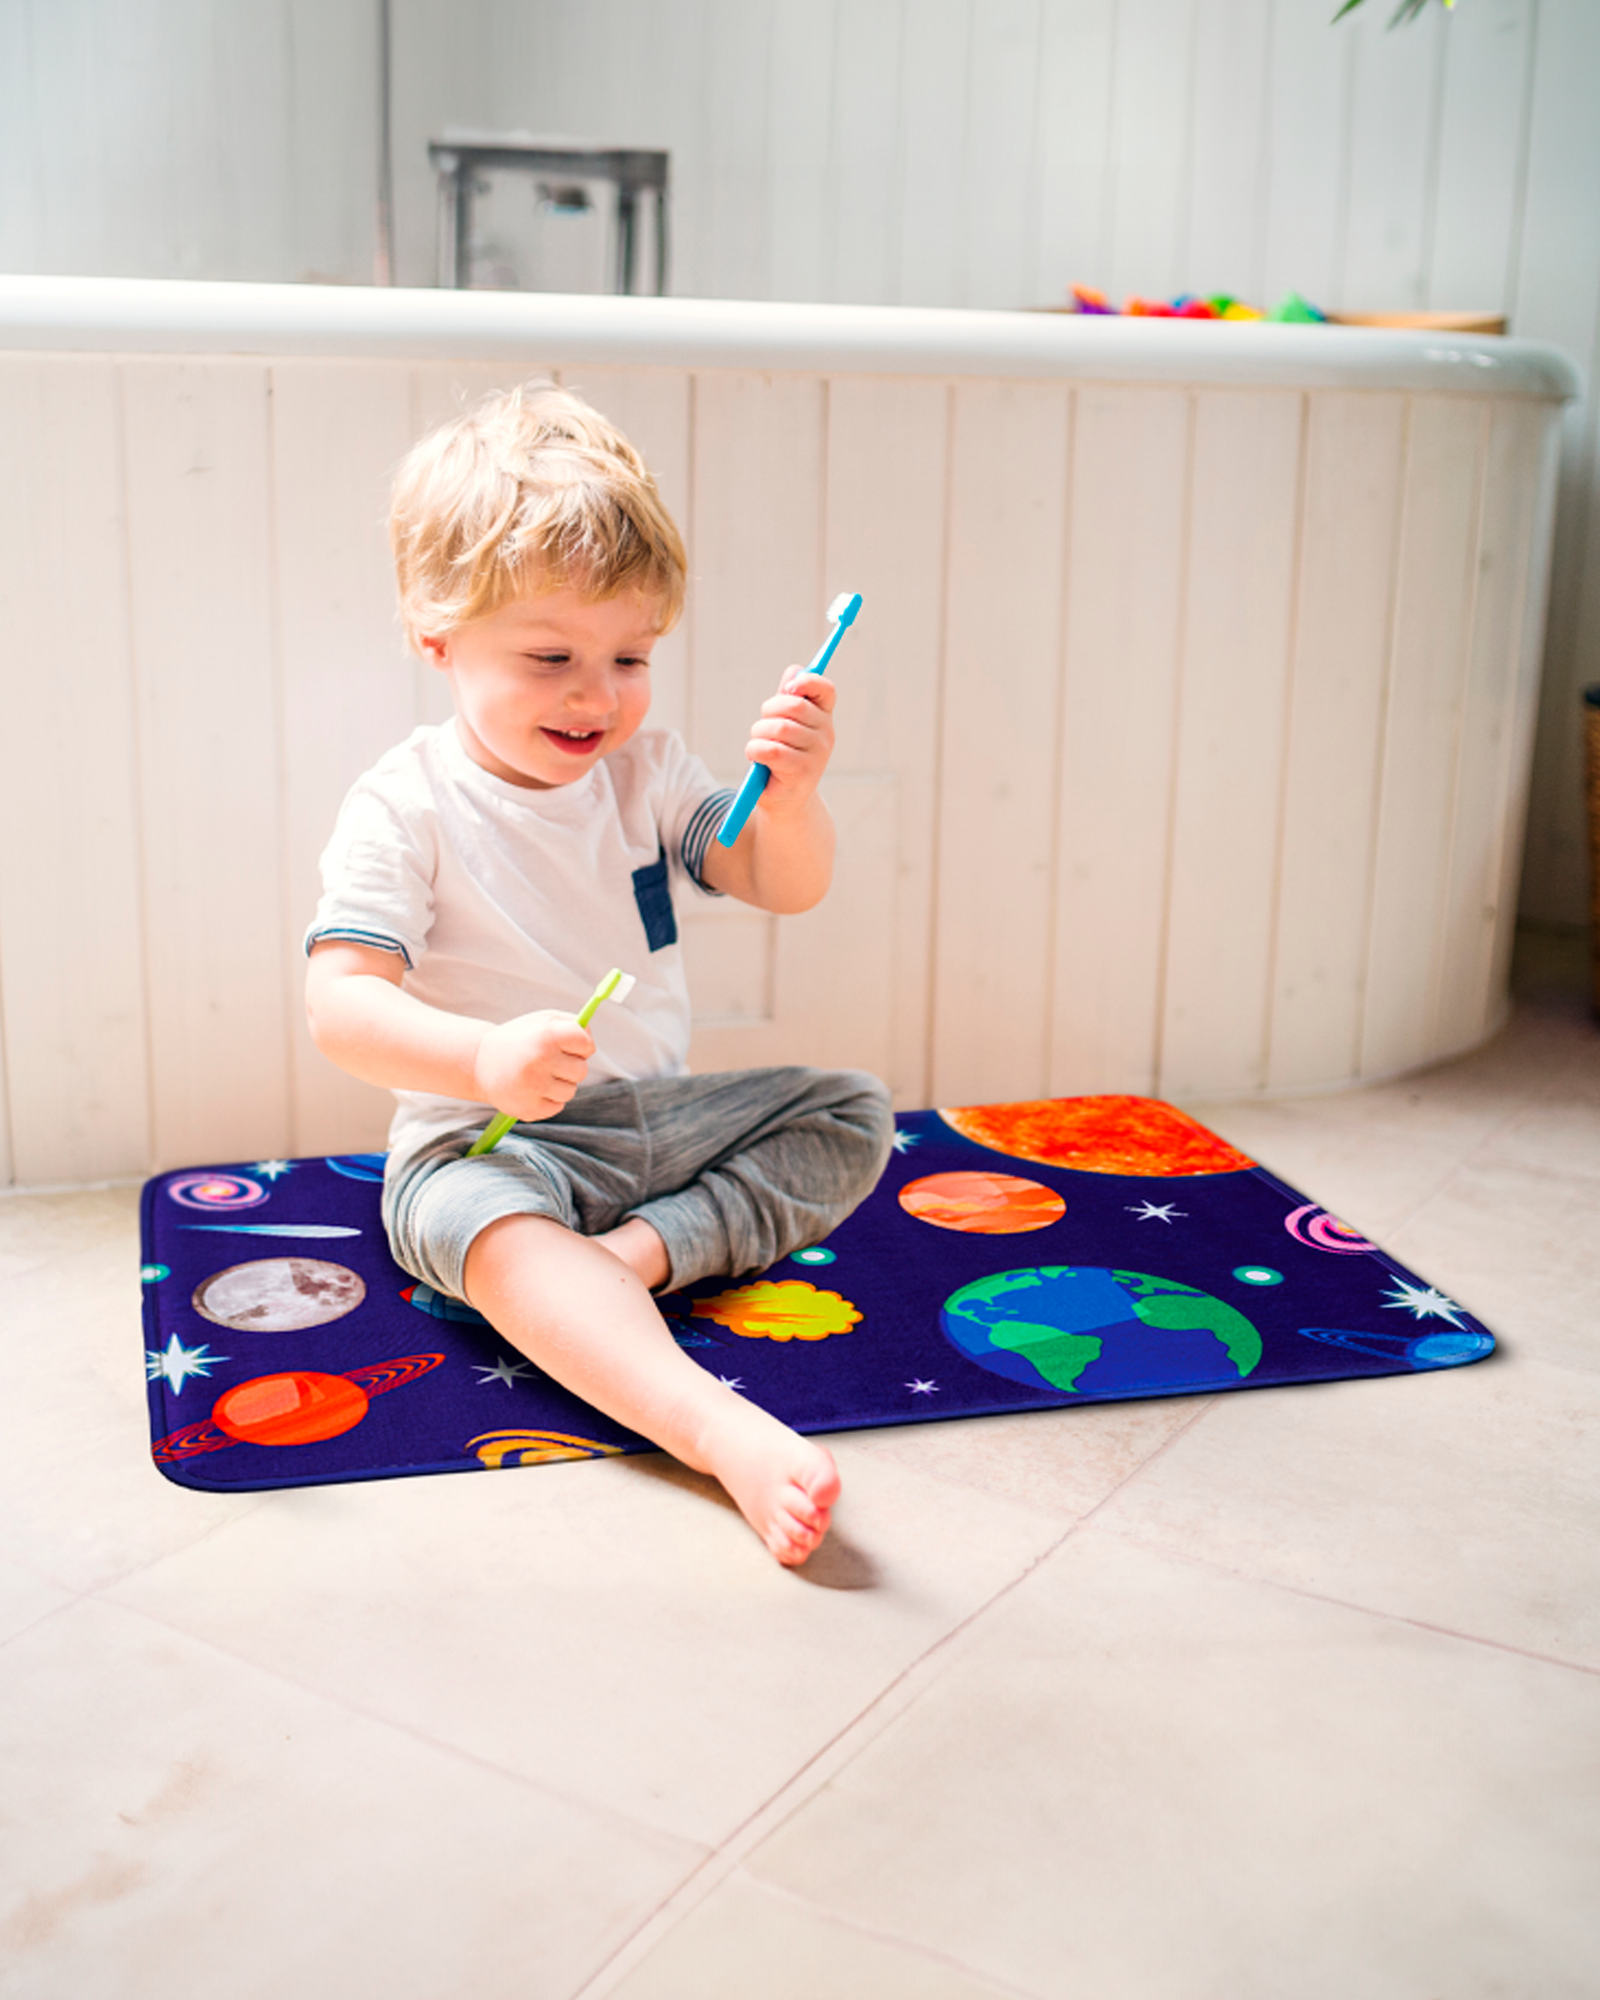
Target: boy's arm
x=363, y=1019
x=783, y=860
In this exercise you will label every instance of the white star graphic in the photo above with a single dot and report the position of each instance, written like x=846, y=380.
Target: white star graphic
x=504, y=1370
x=272, y=1168
x=730, y=1381
x=1422, y=1302
x=1149, y=1211
x=923, y=1388
x=176, y=1363
x=902, y=1142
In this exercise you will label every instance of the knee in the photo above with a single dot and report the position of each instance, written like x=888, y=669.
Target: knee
x=864, y=1106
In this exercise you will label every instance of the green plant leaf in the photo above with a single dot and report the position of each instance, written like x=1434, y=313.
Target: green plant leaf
x=1408, y=10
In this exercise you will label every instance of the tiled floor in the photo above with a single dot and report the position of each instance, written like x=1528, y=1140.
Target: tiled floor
x=1265, y=1697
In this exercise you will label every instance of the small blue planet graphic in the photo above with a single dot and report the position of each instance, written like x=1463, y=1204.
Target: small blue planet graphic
x=1424, y=1350
x=358, y=1166
x=1085, y=1330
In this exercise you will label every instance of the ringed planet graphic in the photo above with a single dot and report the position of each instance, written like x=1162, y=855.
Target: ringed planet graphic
x=358, y=1166
x=1427, y=1350
x=497, y=1449
x=1099, y=1135
x=279, y=1294
x=982, y=1204
x=1319, y=1230
x=297, y=1407
x=223, y=1193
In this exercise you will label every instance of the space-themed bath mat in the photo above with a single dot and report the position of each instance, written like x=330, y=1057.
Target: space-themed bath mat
x=1013, y=1257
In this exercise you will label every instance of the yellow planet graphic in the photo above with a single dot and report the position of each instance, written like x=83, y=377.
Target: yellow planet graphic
x=779, y=1309
x=1099, y=1135
x=982, y=1204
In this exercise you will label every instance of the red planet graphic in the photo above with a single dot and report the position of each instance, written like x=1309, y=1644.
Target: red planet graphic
x=296, y=1407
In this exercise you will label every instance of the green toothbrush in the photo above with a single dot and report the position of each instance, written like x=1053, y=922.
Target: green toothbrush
x=616, y=985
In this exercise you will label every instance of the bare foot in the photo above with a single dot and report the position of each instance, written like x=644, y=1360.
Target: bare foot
x=640, y=1248
x=783, y=1484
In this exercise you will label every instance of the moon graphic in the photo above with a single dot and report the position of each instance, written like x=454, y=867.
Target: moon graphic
x=298, y=1407
x=1099, y=1135
x=1319, y=1230
x=982, y=1204
x=278, y=1294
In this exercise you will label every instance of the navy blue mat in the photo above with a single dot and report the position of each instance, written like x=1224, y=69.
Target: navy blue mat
x=1013, y=1257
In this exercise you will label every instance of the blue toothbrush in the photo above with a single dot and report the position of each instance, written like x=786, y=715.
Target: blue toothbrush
x=842, y=611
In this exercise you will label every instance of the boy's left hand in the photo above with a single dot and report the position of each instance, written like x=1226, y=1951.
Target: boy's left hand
x=794, y=739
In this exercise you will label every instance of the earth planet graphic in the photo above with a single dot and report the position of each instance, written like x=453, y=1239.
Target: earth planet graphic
x=1084, y=1330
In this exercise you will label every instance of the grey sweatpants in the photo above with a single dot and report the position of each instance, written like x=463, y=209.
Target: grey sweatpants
x=731, y=1171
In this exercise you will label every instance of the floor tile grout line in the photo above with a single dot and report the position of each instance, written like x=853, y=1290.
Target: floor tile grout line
x=594, y=1808
x=1040, y=1511
x=886, y=1707
x=1206, y=1404
x=1508, y=1120
x=1376, y=1611
x=911, y=1946
x=43, y=1618
x=97, y=1590
x=841, y=1749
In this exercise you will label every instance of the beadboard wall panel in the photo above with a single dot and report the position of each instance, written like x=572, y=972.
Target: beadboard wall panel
x=959, y=152
x=1182, y=741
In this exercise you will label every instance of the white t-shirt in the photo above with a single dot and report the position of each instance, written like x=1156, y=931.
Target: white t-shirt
x=503, y=899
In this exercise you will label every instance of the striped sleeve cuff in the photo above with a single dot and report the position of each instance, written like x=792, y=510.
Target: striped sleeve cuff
x=699, y=834
x=346, y=934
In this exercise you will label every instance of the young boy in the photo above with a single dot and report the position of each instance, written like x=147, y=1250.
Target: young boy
x=483, y=877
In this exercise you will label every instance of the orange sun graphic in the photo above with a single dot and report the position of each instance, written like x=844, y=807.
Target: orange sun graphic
x=1100, y=1135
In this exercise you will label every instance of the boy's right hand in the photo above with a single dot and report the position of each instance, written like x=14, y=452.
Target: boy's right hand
x=532, y=1065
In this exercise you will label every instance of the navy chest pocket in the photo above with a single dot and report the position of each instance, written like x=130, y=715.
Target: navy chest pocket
x=654, y=898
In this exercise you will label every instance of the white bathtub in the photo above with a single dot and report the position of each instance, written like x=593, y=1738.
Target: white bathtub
x=1184, y=736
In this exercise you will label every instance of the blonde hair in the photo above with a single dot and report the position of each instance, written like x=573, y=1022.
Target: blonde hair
x=530, y=490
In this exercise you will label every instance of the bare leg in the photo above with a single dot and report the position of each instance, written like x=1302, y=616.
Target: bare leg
x=580, y=1311
x=641, y=1249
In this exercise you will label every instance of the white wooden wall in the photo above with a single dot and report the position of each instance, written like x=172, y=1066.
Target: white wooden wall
x=993, y=152
x=1183, y=739
x=922, y=152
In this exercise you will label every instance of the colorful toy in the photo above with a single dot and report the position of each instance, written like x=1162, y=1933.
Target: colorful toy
x=842, y=611
x=1296, y=311
x=1293, y=310
x=615, y=986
